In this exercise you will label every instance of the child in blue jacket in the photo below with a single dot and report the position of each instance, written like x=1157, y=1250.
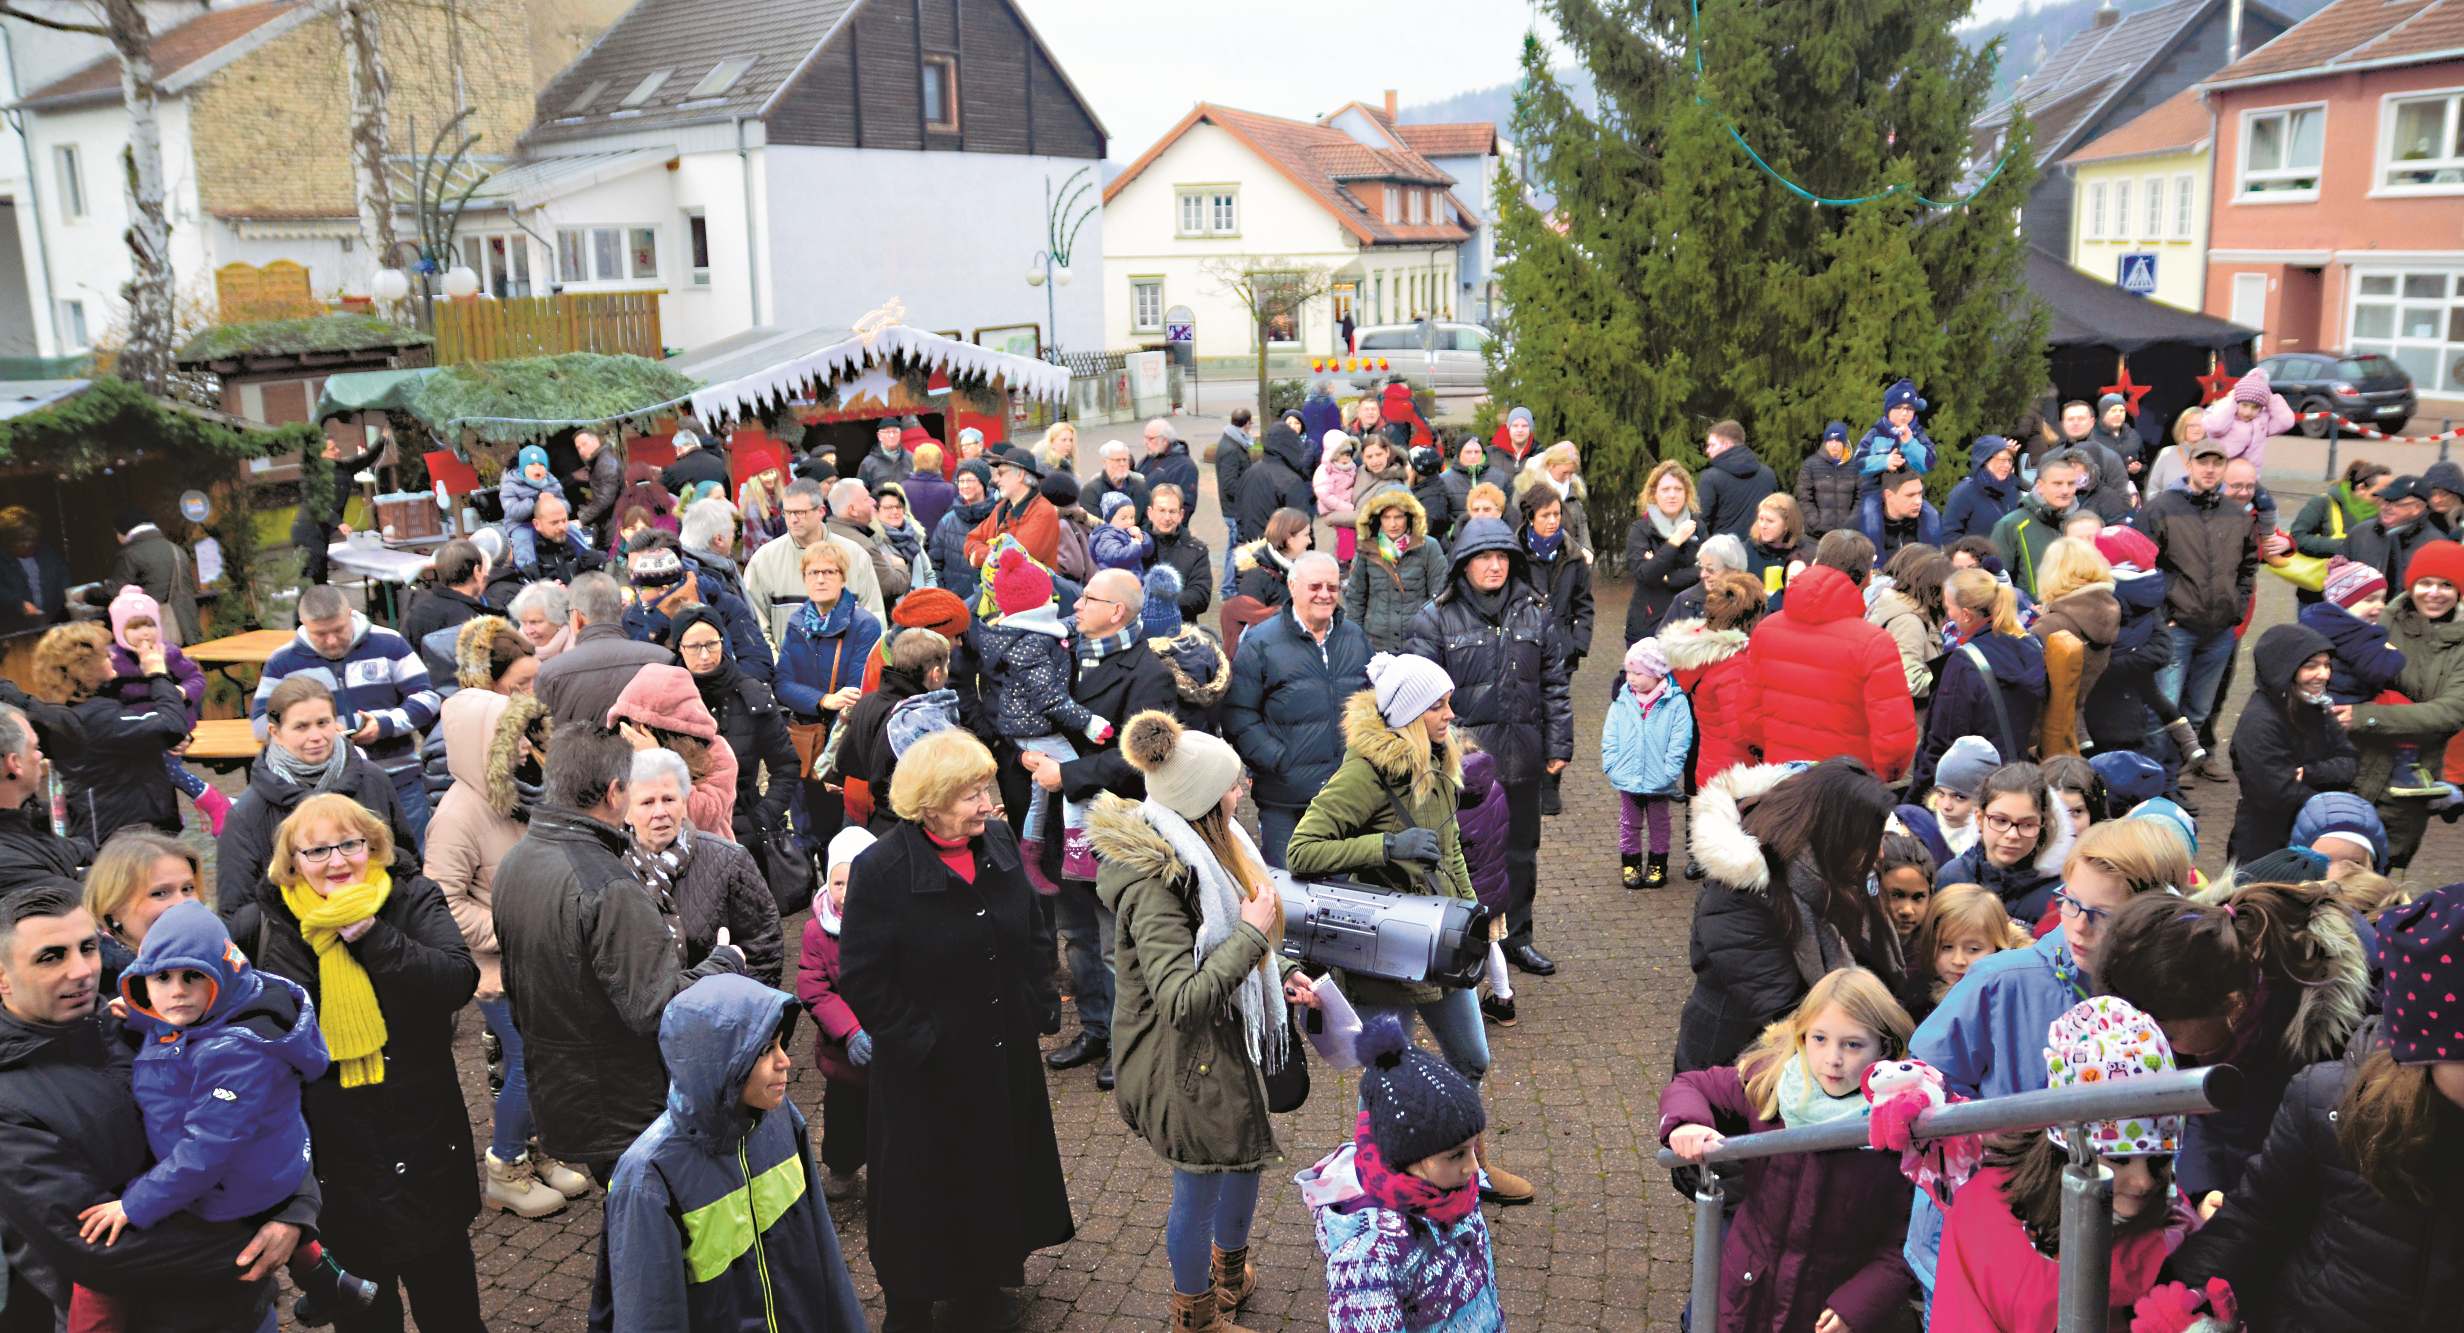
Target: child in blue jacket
x=1894, y=442
x=224, y=1052
x=1643, y=746
x=519, y=491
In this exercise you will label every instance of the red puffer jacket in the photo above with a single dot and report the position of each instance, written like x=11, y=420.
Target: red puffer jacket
x=1820, y=681
x=1710, y=665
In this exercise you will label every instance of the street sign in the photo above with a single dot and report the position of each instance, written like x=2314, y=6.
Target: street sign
x=1180, y=325
x=2138, y=276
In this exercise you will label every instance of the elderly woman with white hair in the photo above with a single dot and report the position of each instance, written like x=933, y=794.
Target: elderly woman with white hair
x=543, y=612
x=711, y=884
x=1720, y=553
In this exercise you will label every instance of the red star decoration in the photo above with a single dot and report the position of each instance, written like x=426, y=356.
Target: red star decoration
x=2133, y=392
x=2215, y=384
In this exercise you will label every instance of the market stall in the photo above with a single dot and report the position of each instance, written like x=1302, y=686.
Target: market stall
x=2106, y=339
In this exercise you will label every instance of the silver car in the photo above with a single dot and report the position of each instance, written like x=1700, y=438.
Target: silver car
x=1457, y=362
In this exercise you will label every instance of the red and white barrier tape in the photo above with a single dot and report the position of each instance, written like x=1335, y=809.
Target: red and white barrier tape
x=2374, y=433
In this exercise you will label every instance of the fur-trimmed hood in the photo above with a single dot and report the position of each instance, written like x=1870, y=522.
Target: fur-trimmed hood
x=483, y=737
x=2329, y=1013
x=1400, y=758
x=1691, y=645
x=1376, y=505
x=1728, y=853
x=1189, y=653
x=1124, y=840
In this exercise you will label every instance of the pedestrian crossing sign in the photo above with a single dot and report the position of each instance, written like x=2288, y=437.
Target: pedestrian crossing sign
x=2139, y=274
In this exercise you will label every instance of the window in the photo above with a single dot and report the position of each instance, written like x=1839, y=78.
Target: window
x=2155, y=209
x=941, y=94
x=1412, y=207
x=697, y=245
x=72, y=184
x=2281, y=151
x=2422, y=144
x=2095, y=216
x=647, y=88
x=607, y=254
x=1209, y=211
x=1146, y=305
x=1394, y=205
x=502, y=261
x=73, y=334
x=1193, y=215
x=2120, y=230
x=2182, y=186
x=582, y=100
x=1227, y=214
x=722, y=76
x=2416, y=318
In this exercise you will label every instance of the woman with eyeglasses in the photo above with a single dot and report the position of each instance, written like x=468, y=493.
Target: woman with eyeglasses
x=380, y=955
x=750, y=721
x=1987, y=1036
x=2023, y=837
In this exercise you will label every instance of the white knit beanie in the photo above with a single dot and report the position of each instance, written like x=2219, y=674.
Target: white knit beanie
x=849, y=844
x=1407, y=685
x=1187, y=772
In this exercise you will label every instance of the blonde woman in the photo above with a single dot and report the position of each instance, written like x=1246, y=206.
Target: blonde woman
x=1661, y=544
x=1559, y=467
x=139, y=875
x=2077, y=620
x=1993, y=672
x=1058, y=450
x=1775, y=547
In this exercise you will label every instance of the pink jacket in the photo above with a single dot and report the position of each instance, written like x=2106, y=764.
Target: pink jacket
x=1333, y=487
x=1991, y=1280
x=2248, y=439
x=663, y=698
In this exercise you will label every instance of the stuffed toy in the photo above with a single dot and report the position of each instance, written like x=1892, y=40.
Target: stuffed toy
x=1898, y=1091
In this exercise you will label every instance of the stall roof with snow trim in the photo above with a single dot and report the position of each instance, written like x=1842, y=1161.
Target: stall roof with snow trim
x=844, y=369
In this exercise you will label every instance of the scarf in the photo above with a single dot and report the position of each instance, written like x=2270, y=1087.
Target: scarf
x=1664, y=524
x=1544, y=549
x=1093, y=651
x=300, y=773
x=1266, y=1027
x=1489, y=606
x=2358, y=509
x=1401, y=1191
x=1390, y=550
x=904, y=540
x=1649, y=697
x=661, y=871
x=347, y=1012
x=1803, y=1102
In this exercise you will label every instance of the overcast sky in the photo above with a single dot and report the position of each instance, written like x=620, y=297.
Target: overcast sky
x=1144, y=66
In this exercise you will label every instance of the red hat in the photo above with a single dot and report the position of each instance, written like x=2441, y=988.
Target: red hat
x=2126, y=546
x=2349, y=583
x=935, y=609
x=1020, y=584
x=2437, y=560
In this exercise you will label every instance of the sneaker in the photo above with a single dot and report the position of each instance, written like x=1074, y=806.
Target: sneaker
x=1500, y=1012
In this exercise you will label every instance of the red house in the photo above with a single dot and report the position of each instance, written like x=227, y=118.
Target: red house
x=2338, y=217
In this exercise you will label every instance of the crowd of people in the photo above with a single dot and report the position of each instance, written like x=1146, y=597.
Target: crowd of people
x=988, y=727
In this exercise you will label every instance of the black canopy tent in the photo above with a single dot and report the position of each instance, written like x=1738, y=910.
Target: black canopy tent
x=2096, y=325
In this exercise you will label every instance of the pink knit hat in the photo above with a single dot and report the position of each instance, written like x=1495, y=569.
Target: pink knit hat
x=2253, y=388
x=2350, y=582
x=664, y=698
x=133, y=604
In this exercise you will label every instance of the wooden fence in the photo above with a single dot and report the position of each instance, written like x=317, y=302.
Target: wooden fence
x=482, y=329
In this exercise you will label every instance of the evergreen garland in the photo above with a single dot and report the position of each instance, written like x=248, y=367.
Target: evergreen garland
x=112, y=419
x=1658, y=278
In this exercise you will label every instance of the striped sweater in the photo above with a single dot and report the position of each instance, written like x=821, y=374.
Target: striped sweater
x=381, y=676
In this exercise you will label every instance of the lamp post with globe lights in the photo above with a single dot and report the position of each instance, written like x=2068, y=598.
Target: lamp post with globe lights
x=1065, y=213
x=439, y=206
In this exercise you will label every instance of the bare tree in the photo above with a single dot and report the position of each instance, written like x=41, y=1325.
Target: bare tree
x=146, y=357
x=1274, y=291
x=371, y=90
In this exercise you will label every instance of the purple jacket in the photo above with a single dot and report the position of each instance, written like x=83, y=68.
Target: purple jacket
x=1480, y=817
x=1812, y=1231
x=130, y=687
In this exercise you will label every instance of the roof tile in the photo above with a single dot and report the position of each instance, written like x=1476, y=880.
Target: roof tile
x=1464, y=139
x=173, y=51
x=2354, y=30
x=2098, y=61
x=2177, y=124
x=687, y=38
x=1319, y=158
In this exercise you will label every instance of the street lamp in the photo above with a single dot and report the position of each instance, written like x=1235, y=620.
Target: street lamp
x=1049, y=269
x=460, y=282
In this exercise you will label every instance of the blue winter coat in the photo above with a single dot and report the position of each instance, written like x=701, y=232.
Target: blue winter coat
x=714, y=1217
x=1284, y=712
x=1980, y=501
x=1319, y=414
x=1874, y=451
x=822, y=654
x=221, y=1096
x=1963, y=705
x=1644, y=753
x=2363, y=664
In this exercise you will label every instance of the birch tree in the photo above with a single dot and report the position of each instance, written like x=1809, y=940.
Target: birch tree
x=371, y=91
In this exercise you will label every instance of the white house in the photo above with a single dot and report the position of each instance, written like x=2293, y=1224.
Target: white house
x=1227, y=187
x=798, y=162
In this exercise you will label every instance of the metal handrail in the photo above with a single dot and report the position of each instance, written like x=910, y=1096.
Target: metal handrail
x=2087, y=1184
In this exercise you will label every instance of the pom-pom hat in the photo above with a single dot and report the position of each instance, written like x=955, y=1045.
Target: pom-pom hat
x=1020, y=584
x=2102, y=1040
x=2421, y=952
x=1187, y=772
x=1418, y=1106
x=2349, y=583
x=1902, y=394
x=2253, y=388
x=1159, y=617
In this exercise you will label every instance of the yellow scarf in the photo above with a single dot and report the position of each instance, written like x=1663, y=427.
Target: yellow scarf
x=347, y=1013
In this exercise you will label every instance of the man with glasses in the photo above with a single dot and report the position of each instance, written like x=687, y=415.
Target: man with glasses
x=1117, y=677
x=774, y=580
x=1284, y=710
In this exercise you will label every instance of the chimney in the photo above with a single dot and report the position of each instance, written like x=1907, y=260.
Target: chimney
x=2233, y=33
x=2107, y=16
x=1390, y=104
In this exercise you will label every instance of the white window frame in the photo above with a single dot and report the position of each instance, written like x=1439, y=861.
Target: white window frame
x=2386, y=165
x=1223, y=213
x=696, y=220
x=1411, y=207
x=2242, y=173
x=1206, y=210
x=1189, y=213
x=2185, y=202
x=69, y=172
x=1394, y=205
x=1141, y=319
x=2093, y=216
x=586, y=239
x=2152, y=226
x=476, y=247
x=2121, y=210
x=2447, y=351
x=75, y=334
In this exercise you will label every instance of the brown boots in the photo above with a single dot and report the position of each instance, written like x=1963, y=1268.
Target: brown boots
x=1504, y=1187
x=1235, y=1278
x=1201, y=1313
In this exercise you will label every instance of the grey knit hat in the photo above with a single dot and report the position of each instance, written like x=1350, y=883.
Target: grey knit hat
x=1964, y=767
x=1418, y=1105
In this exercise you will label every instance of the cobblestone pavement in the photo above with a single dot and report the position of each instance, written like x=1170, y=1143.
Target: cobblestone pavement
x=1572, y=1104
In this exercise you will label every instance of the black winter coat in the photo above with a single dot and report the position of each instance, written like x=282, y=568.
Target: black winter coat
x=1129, y=681
x=755, y=729
x=1279, y=479
x=1495, y=658
x=722, y=885
x=954, y=981
x=1440, y=504
x=1284, y=712
x=1173, y=467
x=1232, y=462
x=694, y=468
x=394, y=1158
x=2311, y=1247
x=2277, y=734
x=1964, y=700
x=437, y=608
x=30, y=851
x=2119, y=711
x=117, y=778
x=590, y=962
x=1191, y=560
x=605, y=481
x=2208, y=547
x=864, y=752
x=246, y=846
x=1661, y=569
x=70, y=1137
x=1566, y=582
x=1730, y=488
x=1827, y=492
x=2372, y=545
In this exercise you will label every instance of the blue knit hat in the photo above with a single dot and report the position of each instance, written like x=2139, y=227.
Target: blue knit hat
x=2130, y=777
x=529, y=454
x=1160, y=617
x=2172, y=816
x=1837, y=430
x=1902, y=394
x=1418, y=1105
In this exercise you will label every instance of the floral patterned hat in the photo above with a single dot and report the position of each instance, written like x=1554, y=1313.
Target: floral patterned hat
x=2101, y=1040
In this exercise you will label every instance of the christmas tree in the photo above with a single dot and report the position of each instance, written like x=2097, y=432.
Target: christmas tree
x=1657, y=277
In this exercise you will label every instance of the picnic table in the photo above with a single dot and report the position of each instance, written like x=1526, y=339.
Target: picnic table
x=387, y=569
x=238, y=650
x=223, y=744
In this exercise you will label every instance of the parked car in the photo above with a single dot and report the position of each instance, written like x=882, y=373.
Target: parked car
x=2365, y=388
x=1457, y=362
